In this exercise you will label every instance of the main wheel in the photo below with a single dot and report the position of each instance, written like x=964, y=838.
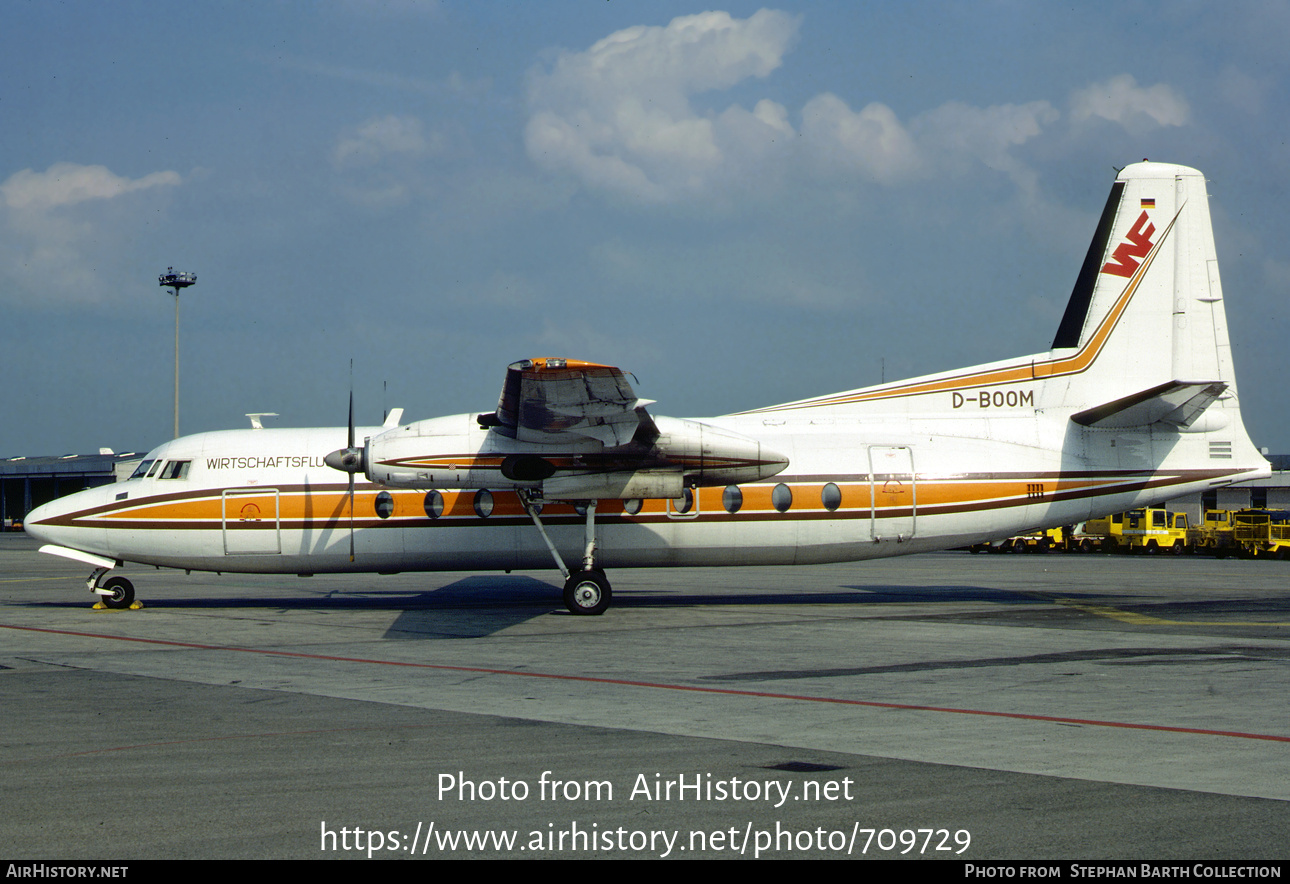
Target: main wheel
x=587, y=592
x=122, y=593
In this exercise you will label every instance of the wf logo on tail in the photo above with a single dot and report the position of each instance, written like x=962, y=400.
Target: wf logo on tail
x=1129, y=254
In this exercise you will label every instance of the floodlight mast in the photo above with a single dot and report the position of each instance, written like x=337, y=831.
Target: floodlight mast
x=175, y=281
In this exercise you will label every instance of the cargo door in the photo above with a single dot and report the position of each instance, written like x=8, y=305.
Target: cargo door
x=894, y=494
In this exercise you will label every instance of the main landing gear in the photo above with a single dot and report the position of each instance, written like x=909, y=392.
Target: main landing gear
x=586, y=591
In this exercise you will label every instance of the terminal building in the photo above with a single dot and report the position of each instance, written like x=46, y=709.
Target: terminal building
x=28, y=482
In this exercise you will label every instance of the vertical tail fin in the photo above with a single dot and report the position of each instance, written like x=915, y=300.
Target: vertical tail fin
x=1147, y=309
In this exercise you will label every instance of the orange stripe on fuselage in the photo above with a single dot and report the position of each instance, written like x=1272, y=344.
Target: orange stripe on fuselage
x=861, y=497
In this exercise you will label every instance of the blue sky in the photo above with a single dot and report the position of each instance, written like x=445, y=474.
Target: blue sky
x=741, y=205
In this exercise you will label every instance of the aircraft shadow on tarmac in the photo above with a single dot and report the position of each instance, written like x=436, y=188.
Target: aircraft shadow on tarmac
x=481, y=605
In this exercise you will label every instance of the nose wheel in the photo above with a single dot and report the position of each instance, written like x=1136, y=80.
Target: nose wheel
x=120, y=595
x=587, y=592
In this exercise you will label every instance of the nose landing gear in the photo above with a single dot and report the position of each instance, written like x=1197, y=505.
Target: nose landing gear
x=121, y=595
x=115, y=593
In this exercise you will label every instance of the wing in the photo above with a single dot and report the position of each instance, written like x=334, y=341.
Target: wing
x=551, y=400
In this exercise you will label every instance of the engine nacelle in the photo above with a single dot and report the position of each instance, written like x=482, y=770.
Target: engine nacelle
x=708, y=455
x=619, y=485
x=457, y=452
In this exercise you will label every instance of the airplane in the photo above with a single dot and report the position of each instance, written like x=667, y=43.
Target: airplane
x=1134, y=403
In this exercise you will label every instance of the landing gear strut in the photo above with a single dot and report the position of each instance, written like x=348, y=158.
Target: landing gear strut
x=586, y=591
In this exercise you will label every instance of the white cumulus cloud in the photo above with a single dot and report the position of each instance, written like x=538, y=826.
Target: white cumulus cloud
x=381, y=137
x=638, y=115
x=871, y=140
x=1121, y=100
x=62, y=230
x=619, y=116
x=65, y=184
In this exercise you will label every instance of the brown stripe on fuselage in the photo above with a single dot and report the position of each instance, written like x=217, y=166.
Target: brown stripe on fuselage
x=312, y=506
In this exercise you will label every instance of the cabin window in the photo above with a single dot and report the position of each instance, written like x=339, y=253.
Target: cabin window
x=632, y=506
x=434, y=504
x=831, y=497
x=176, y=469
x=384, y=505
x=142, y=469
x=684, y=503
x=781, y=498
x=483, y=503
x=732, y=499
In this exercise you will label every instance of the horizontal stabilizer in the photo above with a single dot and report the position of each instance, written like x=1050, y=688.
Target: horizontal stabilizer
x=1177, y=402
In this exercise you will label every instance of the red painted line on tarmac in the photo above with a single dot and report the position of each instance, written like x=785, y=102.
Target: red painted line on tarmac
x=729, y=692
x=218, y=739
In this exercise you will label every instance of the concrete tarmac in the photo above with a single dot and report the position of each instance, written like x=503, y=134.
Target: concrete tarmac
x=1057, y=707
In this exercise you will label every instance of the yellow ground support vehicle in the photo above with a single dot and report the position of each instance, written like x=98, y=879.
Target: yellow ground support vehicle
x=1215, y=536
x=1154, y=530
x=1264, y=532
x=1036, y=541
x=1039, y=541
x=1102, y=534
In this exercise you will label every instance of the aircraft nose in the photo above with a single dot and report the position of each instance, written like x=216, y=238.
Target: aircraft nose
x=37, y=524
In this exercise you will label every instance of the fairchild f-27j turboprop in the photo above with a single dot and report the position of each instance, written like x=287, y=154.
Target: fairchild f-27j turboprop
x=1135, y=403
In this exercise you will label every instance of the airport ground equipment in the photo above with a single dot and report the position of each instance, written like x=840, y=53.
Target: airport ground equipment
x=1103, y=534
x=1215, y=535
x=1154, y=529
x=1263, y=533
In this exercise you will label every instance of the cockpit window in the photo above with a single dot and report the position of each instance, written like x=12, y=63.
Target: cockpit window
x=141, y=470
x=156, y=465
x=176, y=469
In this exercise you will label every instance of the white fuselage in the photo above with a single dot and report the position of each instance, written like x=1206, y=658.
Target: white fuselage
x=1135, y=404
x=263, y=501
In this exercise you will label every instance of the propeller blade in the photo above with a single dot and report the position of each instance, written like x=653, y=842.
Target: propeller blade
x=349, y=440
x=349, y=447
